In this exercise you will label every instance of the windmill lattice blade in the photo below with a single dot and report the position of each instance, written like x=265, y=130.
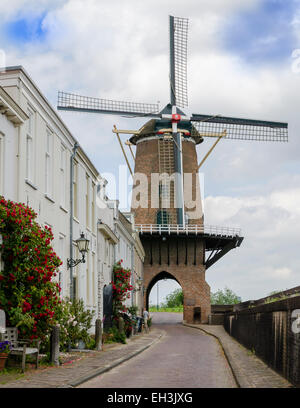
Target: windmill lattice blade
x=180, y=60
x=236, y=128
x=73, y=102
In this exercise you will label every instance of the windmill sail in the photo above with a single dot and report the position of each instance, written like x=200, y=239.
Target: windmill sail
x=237, y=128
x=72, y=102
x=178, y=61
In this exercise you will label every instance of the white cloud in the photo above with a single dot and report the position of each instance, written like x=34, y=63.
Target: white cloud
x=267, y=259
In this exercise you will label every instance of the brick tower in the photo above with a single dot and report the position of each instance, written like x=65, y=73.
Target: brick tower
x=174, y=250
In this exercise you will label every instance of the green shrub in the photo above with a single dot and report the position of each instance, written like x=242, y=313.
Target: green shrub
x=225, y=297
x=275, y=299
x=90, y=345
x=112, y=335
x=174, y=299
x=177, y=309
x=75, y=322
x=133, y=310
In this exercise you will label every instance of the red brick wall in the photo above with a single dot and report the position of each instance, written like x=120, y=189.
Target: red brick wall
x=146, y=162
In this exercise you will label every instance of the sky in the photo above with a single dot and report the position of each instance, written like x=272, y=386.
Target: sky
x=243, y=60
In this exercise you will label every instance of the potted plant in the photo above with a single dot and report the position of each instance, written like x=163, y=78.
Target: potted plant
x=5, y=347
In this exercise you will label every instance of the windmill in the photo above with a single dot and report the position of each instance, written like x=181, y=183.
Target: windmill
x=216, y=126
x=175, y=247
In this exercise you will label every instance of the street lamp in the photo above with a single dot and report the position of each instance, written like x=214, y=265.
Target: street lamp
x=139, y=283
x=83, y=247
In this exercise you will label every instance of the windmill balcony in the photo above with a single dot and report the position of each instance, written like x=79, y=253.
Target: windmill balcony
x=188, y=229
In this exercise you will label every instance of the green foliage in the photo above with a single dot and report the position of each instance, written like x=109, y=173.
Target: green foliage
x=133, y=310
x=10, y=374
x=225, y=297
x=275, y=299
x=28, y=294
x=174, y=299
x=276, y=292
x=113, y=335
x=251, y=352
x=91, y=344
x=121, y=288
x=75, y=322
x=178, y=309
x=280, y=296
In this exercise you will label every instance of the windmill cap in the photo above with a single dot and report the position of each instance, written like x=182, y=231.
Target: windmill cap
x=154, y=126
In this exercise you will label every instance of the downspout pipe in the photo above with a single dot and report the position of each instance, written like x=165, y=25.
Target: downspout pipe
x=132, y=272
x=76, y=145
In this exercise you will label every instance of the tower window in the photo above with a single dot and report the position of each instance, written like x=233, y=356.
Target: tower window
x=163, y=217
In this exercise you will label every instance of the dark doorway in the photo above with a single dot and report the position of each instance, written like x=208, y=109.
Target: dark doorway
x=107, y=306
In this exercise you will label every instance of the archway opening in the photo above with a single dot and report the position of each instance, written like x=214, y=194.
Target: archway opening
x=158, y=293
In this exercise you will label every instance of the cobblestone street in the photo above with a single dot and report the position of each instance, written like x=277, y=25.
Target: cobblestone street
x=184, y=357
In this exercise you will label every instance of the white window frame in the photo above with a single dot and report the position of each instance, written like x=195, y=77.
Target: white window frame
x=30, y=136
x=2, y=156
x=63, y=167
x=87, y=202
x=49, y=163
x=93, y=278
x=93, y=206
x=75, y=189
x=62, y=248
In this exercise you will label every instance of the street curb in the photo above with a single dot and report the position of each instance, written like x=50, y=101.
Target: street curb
x=229, y=360
x=102, y=370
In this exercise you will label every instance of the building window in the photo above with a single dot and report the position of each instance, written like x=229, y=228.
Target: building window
x=63, y=185
x=163, y=217
x=87, y=201
x=106, y=255
x=29, y=146
x=62, y=239
x=48, y=161
x=93, y=279
x=75, y=189
x=93, y=206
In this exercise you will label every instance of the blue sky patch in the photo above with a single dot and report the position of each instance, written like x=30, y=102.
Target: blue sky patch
x=264, y=34
x=26, y=29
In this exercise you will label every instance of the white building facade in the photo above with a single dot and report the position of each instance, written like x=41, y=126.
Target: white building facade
x=118, y=241
x=36, y=154
x=35, y=158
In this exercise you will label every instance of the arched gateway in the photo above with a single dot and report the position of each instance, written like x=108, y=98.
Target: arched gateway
x=194, y=306
x=190, y=276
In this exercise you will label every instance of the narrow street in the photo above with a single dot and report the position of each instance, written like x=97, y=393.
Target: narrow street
x=184, y=357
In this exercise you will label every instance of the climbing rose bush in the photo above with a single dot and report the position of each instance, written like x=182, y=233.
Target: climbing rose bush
x=121, y=290
x=28, y=294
